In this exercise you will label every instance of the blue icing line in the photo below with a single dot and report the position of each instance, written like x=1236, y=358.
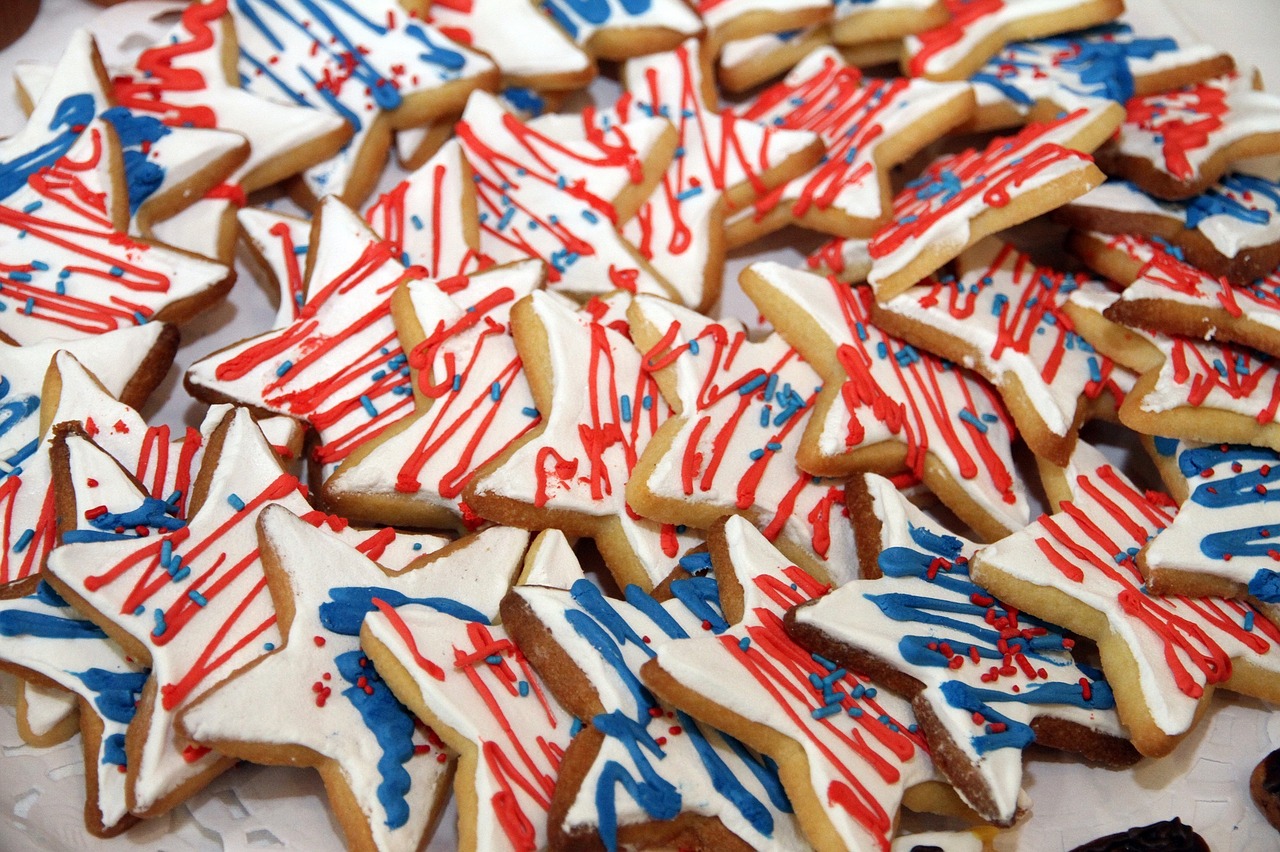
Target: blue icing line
x=153, y=513
x=347, y=606
x=143, y=176
x=658, y=796
x=392, y=726
x=45, y=625
x=69, y=119
x=1215, y=203
x=13, y=411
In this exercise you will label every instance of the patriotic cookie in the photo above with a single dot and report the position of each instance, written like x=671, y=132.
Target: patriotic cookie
x=466, y=678
x=1163, y=655
x=471, y=402
x=963, y=197
x=885, y=406
x=725, y=161
x=559, y=188
x=599, y=409
x=638, y=771
x=374, y=66
x=978, y=29
x=1178, y=144
x=387, y=776
x=878, y=124
x=740, y=407
x=848, y=751
x=1002, y=315
x=1232, y=230
x=72, y=270
x=984, y=680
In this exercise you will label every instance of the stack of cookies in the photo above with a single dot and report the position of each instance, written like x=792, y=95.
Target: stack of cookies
x=500, y=504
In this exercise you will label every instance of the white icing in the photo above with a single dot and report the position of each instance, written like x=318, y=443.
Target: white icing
x=807, y=512
x=876, y=617
x=1105, y=512
x=201, y=229
x=847, y=259
x=873, y=114
x=286, y=708
x=520, y=170
x=718, y=14
x=46, y=707
x=312, y=65
x=767, y=683
x=590, y=438
x=429, y=459
x=904, y=396
x=1010, y=311
x=281, y=242
x=551, y=561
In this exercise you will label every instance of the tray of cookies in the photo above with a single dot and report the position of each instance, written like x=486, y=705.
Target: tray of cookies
x=737, y=423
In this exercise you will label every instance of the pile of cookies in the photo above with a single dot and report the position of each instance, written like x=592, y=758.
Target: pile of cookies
x=365, y=559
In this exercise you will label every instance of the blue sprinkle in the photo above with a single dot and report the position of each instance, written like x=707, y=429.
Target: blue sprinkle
x=416, y=221
x=527, y=411
x=624, y=403
x=524, y=689
x=744, y=643
x=139, y=318
x=968, y=417
x=772, y=387
x=30, y=306
x=23, y=540
x=647, y=402
x=139, y=609
x=824, y=662
x=417, y=545
x=1248, y=621
x=181, y=574
x=33, y=207
x=750, y=387
x=495, y=391
x=773, y=446
x=590, y=217
x=268, y=646
x=160, y=627
x=691, y=192
x=20, y=276
x=284, y=368
x=693, y=347
x=825, y=711
x=765, y=413
x=197, y=598
x=1095, y=372
x=236, y=502
x=756, y=455
x=854, y=712
x=494, y=659
x=368, y=405
x=116, y=272
x=457, y=382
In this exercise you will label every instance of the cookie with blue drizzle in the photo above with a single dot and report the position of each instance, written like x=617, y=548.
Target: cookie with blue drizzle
x=640, y=772
x=985, y=681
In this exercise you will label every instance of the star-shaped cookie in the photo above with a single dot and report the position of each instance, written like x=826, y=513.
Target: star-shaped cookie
x=559, y=188
x=1099, y=69
x=330, y=708
x=599, y=408
x=847, y=750
x=1002, y=313
x=984, y=680
x=886, y=406
x=165, y=167
x=131, y=362
x=1163, y=655
x=869, y=126
x=724, y=161
x=640, y=772
x=740, y=407
x=71, y=270
x=1231, y=230
x=471, y=401
x=963, y=197
x=338, y=365
x=1177, y=144
x=979, y=28
x=467, y=679
x=374, y=65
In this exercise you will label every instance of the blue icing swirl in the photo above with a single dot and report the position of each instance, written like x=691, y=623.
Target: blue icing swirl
x=347, y=606
x=113, y=753
x=606, y=630
x=48, y=625
x=153, y=513
x=1223, y=488
x=115, y=693
x=137, y=133
x=1216, y=202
